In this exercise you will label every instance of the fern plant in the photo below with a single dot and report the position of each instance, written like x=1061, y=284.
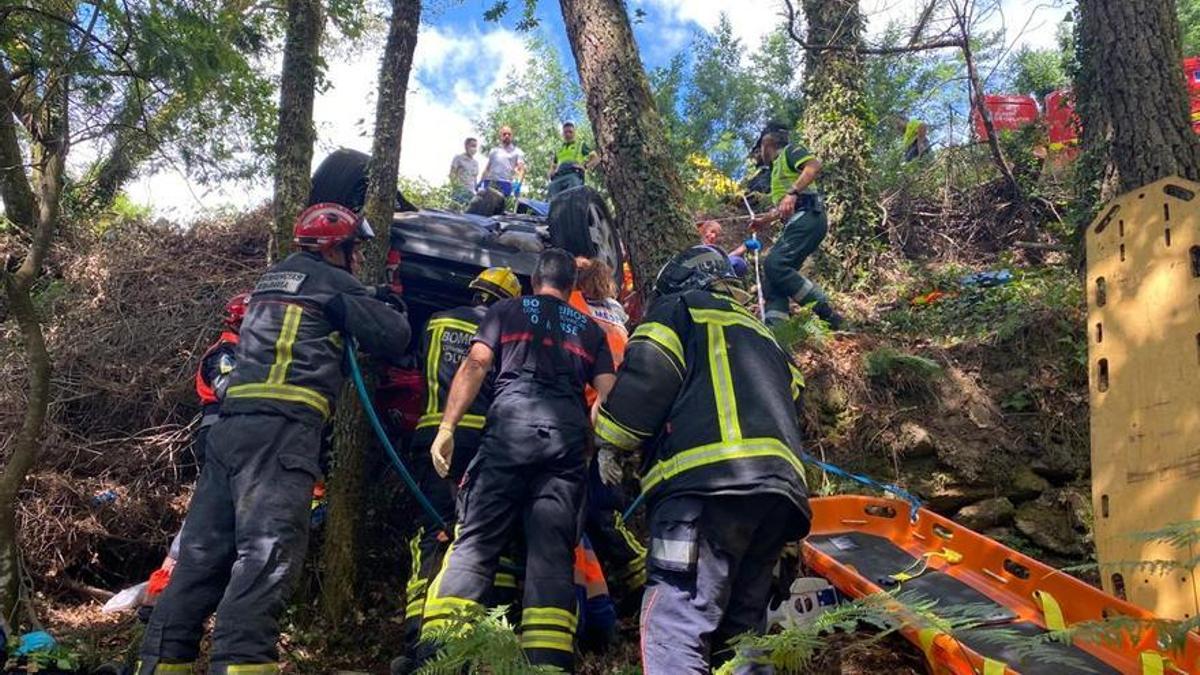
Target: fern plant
x=480, y=642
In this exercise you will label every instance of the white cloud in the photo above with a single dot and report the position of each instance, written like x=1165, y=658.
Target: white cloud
x=454, y=75
x=750, y=19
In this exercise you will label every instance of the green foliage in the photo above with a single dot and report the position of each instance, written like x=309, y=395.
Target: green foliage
x=793, y=647
x=535, y=104
x=716, y=95
x=428, y=196
x=802, y=330
x=1039, y=71
x=476, y=642
x=1189, y=25
x=902, y=372
x=722, y=106
x=1051, y=297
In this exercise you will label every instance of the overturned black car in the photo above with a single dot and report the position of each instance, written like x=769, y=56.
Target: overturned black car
x=439, y=252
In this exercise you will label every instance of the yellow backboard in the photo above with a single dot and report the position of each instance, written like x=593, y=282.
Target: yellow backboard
x=1143, y=289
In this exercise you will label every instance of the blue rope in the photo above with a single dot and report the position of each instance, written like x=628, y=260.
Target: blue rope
x=913, y=501
x=361, y=386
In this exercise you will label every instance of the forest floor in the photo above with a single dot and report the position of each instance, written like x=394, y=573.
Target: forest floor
x=972, y=396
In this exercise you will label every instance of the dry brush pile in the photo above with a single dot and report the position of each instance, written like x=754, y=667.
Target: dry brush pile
x=127, y=315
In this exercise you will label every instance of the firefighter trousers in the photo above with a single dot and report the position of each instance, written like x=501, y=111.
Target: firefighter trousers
x=542, y=497
x=799, y=239
x=709, y=577
x=242, y=545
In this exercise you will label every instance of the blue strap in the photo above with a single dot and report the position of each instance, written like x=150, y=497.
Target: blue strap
x=361, y=387
x=913, y=501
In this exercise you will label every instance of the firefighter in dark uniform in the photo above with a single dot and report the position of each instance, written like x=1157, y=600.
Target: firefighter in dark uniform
x=216, y=366
x=444, y=345
x=247, y=526
x=799, y=206
x=531, y=466
x=712, y=399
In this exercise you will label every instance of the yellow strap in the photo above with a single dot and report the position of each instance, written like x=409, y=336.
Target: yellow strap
x=457, y=324
x=281, y=392
x=736, y=317
x=283, y=345
x=467, y=422
x=926, y=636
x=614, y=433
x=431, y=368
x=505, y=580
x=1051, y=610
x=704, y=455
x=547, y=639
x=549, y=616
x=662, y=335
x=166, y=668
x=1153, y=663
x=993, y=667
x=253, y=669
x=722, y=383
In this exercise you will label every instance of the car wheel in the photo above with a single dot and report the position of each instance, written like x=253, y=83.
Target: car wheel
x=581, y=223
x=341, y=178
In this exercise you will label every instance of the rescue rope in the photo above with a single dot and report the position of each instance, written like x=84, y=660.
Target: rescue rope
x=361, y=387
x=762, y=303
x=914, y=502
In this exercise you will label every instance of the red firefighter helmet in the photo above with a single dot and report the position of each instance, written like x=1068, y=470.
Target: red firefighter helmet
x=324, y=226
x=235, y=310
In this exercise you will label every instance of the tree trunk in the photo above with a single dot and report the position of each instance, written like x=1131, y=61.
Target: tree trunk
x=48, y=148
x=1129, y=54
x=634, y=156
x=836, y=115
x=295, y=137
x=352, y=435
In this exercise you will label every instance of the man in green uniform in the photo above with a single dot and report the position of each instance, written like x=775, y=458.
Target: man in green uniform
x=800, y=207
x=570, y=161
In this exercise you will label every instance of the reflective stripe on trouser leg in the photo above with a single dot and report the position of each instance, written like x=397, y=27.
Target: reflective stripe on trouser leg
x=549, y=618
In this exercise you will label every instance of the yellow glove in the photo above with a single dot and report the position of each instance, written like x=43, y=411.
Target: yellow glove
x=442, y=450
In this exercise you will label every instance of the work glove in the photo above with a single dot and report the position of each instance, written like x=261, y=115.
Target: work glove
x=752, y=244
x=610, y=466
x=442, y=450
x=385, y=293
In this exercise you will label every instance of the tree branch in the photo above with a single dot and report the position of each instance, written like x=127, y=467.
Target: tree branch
x=790, y=15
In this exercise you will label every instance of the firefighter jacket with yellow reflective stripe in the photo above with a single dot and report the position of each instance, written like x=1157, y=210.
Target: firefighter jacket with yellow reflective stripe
x=711, y=398
x=289, y=360
x=444, y=345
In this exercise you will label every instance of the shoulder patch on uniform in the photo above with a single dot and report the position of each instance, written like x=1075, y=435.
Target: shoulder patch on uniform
x=280, y=282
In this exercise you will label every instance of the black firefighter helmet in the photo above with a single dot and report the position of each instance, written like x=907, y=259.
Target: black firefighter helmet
x=697, y=268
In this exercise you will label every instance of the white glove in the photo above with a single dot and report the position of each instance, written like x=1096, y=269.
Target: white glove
x=611, y=472
x=442, y=451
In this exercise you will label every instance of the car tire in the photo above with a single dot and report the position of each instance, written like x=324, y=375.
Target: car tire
x=581, y=223
x=341, y=178
x=489, y=202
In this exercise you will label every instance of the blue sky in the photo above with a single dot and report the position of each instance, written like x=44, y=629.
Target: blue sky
x=461, y=59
